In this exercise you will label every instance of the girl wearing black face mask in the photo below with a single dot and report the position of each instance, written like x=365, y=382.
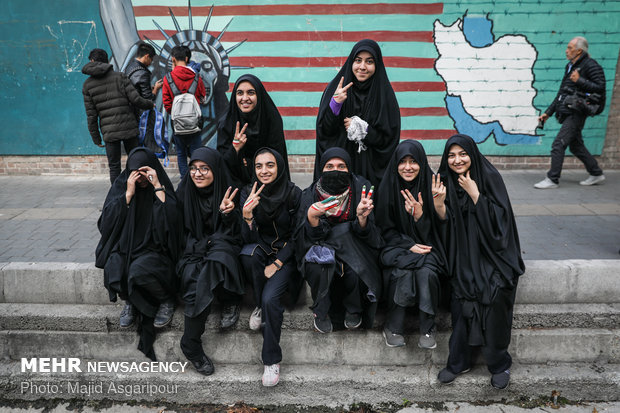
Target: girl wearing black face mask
x=337, y=245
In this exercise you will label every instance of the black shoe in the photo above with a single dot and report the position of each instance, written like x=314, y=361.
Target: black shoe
x=164, y=314
x=501, y=380
x=204, y=366
x=445, y=376
x=230, y=316
x=392, y=339
x=127, y=315
x=323, y=324
x=352, y=320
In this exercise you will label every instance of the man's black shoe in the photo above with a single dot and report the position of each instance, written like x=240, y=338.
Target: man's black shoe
x=204, y=366
x=230, y=316
x=127, y=315
x=500, y=380
x=445, y=376
x=352, y=320
x=323, y=324
x=164, y=314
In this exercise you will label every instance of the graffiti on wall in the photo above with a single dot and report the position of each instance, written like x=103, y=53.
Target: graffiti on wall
x=76, y=39
x=122, y=32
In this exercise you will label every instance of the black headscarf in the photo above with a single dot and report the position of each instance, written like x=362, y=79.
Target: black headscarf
x=201, y=205
x=390, y=213
x=483, y=238
x=373, y=101
x=264, y=129
x=276, y=193
x=335, y=182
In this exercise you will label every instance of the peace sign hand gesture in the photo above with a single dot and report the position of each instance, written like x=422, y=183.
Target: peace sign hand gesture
x=240, y=139
x=340, y=94
x=228, y=204
x=412, y=206
x=252, y=201
x=364, y=208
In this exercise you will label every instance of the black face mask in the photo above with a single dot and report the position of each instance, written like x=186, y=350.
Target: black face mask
x=335, y=182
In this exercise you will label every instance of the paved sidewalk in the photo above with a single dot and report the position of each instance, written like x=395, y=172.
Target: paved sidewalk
x=54, y=218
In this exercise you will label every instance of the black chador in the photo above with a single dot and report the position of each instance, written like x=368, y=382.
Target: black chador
x=413, y=256
x=140, y=241
x=209, y=266
x=339, y=257
x=268, y=255
x=264, y=130
x=373, y=101
x=484, y=259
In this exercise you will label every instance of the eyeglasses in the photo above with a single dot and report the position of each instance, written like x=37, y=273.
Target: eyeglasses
x=203, y=170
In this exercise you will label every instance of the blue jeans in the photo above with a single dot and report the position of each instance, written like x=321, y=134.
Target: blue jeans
x=186, y=144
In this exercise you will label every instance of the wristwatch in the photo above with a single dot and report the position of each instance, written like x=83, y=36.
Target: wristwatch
x=161, y=188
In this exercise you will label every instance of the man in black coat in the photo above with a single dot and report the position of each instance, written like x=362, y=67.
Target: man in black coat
x=139, y=74
x=582, y=76
x=108, y=99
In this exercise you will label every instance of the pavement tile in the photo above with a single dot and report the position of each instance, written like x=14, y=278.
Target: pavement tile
x=603, y=209
x=568, y=209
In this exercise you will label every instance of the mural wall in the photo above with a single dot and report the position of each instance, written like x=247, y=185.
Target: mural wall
x=484, y=67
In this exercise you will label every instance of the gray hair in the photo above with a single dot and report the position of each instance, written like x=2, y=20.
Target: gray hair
x=581, y=43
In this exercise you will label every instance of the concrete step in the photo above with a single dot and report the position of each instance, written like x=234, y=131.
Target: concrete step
x=105, y=317
x=317, y=385
x=545, y=282
x=352, y=348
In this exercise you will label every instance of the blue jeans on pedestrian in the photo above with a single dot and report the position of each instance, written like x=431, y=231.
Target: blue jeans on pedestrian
x=186, y=144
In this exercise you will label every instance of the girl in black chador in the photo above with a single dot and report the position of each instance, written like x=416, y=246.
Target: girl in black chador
x=140, y=243
x=209, y=266
x=484, y=259
x=252, y=122
x=269, y=208
x=337, y=245
x=413, y=255
x=359, y=113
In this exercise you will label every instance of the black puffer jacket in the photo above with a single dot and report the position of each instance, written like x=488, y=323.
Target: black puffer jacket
x=108, y=99
x=140, y=77
x=591, y=80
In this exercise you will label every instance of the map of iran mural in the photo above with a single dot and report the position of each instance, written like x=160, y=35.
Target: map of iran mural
x=487, y=68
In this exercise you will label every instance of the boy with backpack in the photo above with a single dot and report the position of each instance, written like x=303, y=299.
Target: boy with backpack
x=179, y=87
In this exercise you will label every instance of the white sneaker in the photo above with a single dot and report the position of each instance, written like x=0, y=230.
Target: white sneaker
x=592, y=180
x=546, y=184
x=256, y=319
x=271, y=375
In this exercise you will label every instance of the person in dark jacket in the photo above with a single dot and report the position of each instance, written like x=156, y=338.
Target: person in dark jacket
x=268, y=255
x=139, y=74
x=209, y=266
x=413, y=257
x=484, y=259
x=141, y=238
x=108, y=99
x=582, y=75
x=252, y=122
x=337, y=245
x=183, y=77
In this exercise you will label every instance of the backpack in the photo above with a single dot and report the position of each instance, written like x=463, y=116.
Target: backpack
x=153, y=134
x=186, y=114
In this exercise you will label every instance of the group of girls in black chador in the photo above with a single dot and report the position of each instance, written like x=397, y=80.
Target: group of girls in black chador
x=375, y=225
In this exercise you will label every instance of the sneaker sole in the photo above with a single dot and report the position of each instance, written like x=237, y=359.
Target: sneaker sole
x=320, y=331
x=391, y=345
x=348, y=327
x=454, y=379
x=271, y=385
x=163, y=325
x=427, y=348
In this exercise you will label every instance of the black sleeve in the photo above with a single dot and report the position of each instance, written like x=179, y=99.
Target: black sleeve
x=133, y=96
x=493, y=221
x=329, y=124
x=92, y=116
x=249, y=236
x=288, y=250
x=592, y=79
x=167, y=233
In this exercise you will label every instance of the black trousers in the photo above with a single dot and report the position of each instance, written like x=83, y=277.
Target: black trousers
x=191, y=342
x=113, y=152
x=570, y=137
x=497, y=332
x=346, y=287
x=268, y=293
x=427, y=289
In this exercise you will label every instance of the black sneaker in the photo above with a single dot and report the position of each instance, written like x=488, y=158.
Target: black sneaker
x=164, y=314
x=427, y=341
x=352, y=320
x=204, y=366
x=230, y=316
x=392, y=339
x=501, y=380
x=127, y=315
x=445, y=376
x=323, y=325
